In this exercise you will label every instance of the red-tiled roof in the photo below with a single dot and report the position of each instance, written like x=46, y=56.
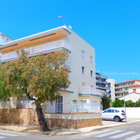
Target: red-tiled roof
x=126, y=82
x=136, y=85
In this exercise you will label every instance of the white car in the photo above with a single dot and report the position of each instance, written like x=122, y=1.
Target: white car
x=113, y=114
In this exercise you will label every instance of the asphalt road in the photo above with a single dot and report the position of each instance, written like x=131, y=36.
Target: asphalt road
x=123, y=132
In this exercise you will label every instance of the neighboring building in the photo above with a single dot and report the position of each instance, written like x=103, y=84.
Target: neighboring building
x=101, y=82
x=111, y=89
x=81, y=62
x=127, y=87
x=132, y=96
x=4, y=38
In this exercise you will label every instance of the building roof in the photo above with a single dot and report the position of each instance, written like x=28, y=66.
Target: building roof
x=127, y=82
x=63, y=31
x=135, y=85
x=5, y=35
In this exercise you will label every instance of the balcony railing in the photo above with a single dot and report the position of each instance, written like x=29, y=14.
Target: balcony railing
x=91, y=90
x=52, y=46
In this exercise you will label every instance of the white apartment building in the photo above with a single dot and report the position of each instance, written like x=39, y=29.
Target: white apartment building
x=127, y=87
x=4, y=38
x=81, y=62
x=111, y=89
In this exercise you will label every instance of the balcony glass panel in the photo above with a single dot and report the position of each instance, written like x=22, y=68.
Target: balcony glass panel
x=38, y=49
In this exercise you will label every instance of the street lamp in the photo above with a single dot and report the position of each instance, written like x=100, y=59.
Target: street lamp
x=124, y=103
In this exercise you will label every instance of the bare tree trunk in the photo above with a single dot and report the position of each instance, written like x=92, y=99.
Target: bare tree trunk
x=41, y=118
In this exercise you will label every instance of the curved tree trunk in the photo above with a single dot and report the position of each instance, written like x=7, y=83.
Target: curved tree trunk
x=41, y=118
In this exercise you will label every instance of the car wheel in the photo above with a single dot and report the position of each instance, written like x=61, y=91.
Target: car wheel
x=117, y=119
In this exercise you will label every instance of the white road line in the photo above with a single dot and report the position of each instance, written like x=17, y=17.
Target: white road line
x=122, y=134
x=95, y=133
x=2, y=137
x=111, y=133
x=136, y=137
x=8, y=134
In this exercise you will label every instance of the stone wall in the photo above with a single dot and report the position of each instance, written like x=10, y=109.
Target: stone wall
x=74, y=120
x=24, y=116
x=74, y=124
x=27, y=116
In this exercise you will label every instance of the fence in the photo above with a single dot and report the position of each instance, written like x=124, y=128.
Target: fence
x=72, y=108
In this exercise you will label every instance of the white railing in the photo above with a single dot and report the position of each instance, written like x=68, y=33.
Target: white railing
x=91, y=90
x=38, y=49
x=73, y=107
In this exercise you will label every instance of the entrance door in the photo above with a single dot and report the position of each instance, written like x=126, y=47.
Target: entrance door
x=59, y=105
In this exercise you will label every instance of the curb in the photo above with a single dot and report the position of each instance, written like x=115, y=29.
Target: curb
x=89, y=129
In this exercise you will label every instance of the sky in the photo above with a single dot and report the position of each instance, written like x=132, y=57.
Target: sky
x=112, y=27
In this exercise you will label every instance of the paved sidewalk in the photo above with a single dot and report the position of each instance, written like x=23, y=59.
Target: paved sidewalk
x=105, y=124
x=35, y=130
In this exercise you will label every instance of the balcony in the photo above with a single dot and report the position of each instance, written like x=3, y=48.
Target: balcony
x=101, y=82
x=102, y=88
x=43, y=48
x=126, y=91
x=87, y=90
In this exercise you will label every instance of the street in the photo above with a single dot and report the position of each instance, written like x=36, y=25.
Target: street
x=124, y=132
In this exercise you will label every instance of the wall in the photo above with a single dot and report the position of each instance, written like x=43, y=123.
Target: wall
x=18, y=116
x=130, y=89
x=132, y=112
x=74, y=121
x=28, y=117
x=76, y=76
x=132, y=96
x=9, y=104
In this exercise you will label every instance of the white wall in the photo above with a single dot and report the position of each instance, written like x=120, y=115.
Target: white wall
x=76, y=77
x=112, y=84
x=132, y=112
x=132, y=96
x=4, y=38
x=130, y=89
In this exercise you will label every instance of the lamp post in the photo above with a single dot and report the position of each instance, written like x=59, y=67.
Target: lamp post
x=124, y=103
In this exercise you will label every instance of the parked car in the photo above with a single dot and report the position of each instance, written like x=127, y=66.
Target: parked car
x=113, y=114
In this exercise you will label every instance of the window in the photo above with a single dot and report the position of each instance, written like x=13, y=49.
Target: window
x=91, y=73
x=83, y=70
x=83, y=84
x=91, y=59
x=134, y=90
x=83, y=54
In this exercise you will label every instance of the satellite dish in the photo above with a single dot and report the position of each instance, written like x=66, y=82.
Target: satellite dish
x=70, y=26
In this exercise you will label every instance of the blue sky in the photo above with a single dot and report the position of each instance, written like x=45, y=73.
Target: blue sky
x=111, y=26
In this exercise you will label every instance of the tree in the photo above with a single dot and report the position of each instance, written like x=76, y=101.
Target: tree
x=118, y=103
x=106, y=102
x=4, y=93
x=39, y=78
x=130, y=103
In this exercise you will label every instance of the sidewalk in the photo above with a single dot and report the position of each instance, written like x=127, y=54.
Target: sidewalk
x=35, y=130
x=105, y=124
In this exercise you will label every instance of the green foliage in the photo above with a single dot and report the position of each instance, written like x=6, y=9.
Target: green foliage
x=129, y=103
x=39, y=77
x=137, y=103
x=106, y=102
x=4, y=93
x=118, y=103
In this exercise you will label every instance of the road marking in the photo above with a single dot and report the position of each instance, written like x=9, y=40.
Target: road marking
x=2, y=137
x=8, y=134
x=95, y=133
x=122, y=134
x=111, y=133
x=136, y=137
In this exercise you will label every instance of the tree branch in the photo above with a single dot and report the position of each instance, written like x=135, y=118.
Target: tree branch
x=31, y=98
